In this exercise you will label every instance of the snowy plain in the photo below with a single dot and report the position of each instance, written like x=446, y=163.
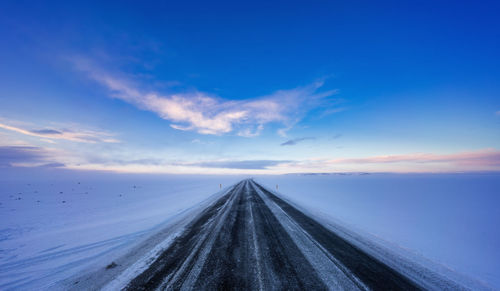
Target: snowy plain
x=449, y=219
x=56, y=224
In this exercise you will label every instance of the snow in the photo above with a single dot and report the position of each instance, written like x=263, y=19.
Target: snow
x=323, y=263
x=449, y=219
x=54, y=226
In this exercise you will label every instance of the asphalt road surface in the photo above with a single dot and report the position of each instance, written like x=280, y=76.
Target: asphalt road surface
x=250, y=239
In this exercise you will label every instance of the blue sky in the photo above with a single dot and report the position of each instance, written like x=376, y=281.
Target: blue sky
x=251, y=87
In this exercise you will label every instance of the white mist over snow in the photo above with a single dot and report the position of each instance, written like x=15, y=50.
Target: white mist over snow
x=451, y=219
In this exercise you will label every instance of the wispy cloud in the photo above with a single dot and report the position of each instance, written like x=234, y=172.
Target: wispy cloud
x=482, y=160
x=296, y=141
x=487, y=157
x=201, y=142
x=26, y=155
x=52, y=165
x=331, y=111
x=249, y=164
x=470, y=161
x=208, y=114
x=497, y=113
x=48, y=134
x=46, y=131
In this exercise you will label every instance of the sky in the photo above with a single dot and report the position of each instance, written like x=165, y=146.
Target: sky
x=250, y=87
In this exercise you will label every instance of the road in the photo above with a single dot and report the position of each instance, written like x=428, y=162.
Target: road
x=251, y=239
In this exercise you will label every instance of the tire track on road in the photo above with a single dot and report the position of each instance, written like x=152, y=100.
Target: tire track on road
x=250, y=239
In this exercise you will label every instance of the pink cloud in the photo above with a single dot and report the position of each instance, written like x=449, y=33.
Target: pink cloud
x=85, y=136
x=486, y=157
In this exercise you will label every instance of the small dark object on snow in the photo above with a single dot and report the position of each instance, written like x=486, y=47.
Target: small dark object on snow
x=64, y=201
x=111, y=266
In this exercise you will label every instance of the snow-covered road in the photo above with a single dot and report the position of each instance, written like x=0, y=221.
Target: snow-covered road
x=252, y=239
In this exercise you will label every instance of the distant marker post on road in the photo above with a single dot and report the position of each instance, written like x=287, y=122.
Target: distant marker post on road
x=276, y=187
x=220, y=186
